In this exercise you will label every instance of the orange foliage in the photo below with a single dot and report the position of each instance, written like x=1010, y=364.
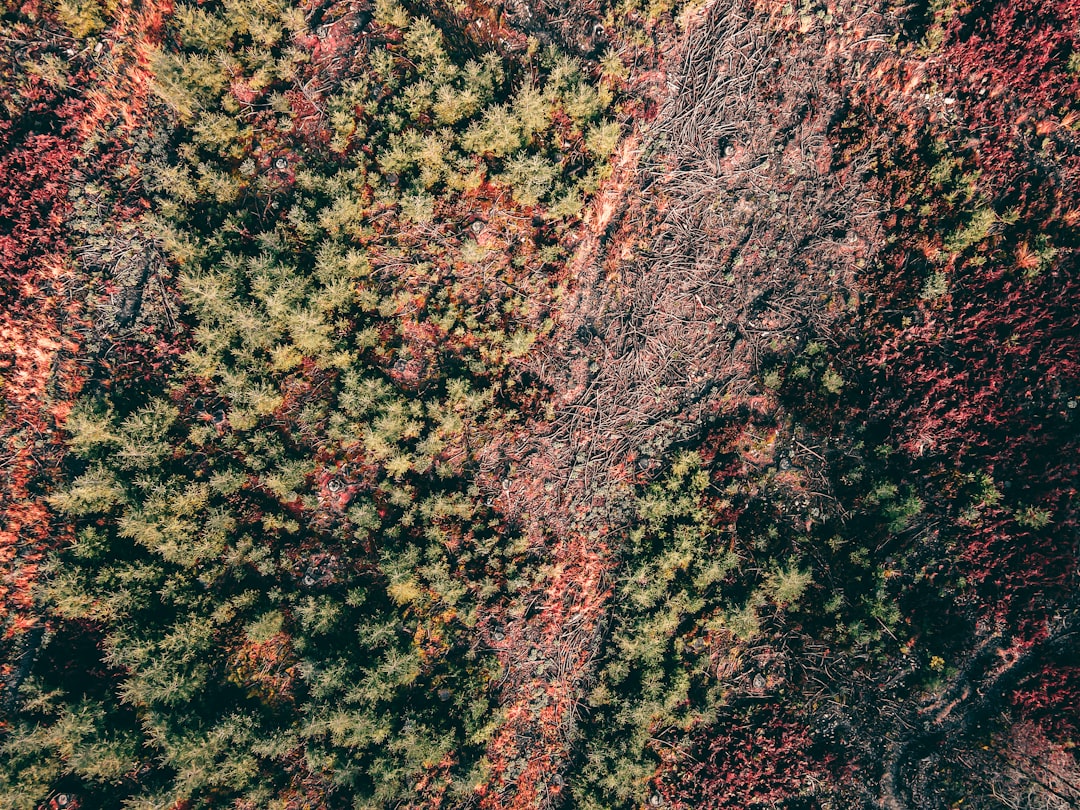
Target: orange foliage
x=41, y=318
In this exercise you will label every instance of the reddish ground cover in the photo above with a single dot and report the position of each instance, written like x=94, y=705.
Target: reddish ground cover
x=56, y=130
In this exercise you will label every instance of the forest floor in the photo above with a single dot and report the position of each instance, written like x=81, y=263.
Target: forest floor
x=722, y=236
x=730, y=235
x=830, y=268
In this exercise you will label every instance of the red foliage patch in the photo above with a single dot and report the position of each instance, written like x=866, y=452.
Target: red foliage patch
x=37, y=147
x=1006, y=65
x=982, y=375
x=759, y=759
x=43, y=127
x=1050, y=696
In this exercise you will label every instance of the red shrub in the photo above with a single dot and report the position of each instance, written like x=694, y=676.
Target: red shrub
x=761, y=758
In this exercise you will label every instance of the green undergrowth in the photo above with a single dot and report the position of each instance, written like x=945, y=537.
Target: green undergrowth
x=282, y=549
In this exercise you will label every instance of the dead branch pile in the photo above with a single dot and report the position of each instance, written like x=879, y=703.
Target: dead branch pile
x=757, y=244
x=754, y=242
